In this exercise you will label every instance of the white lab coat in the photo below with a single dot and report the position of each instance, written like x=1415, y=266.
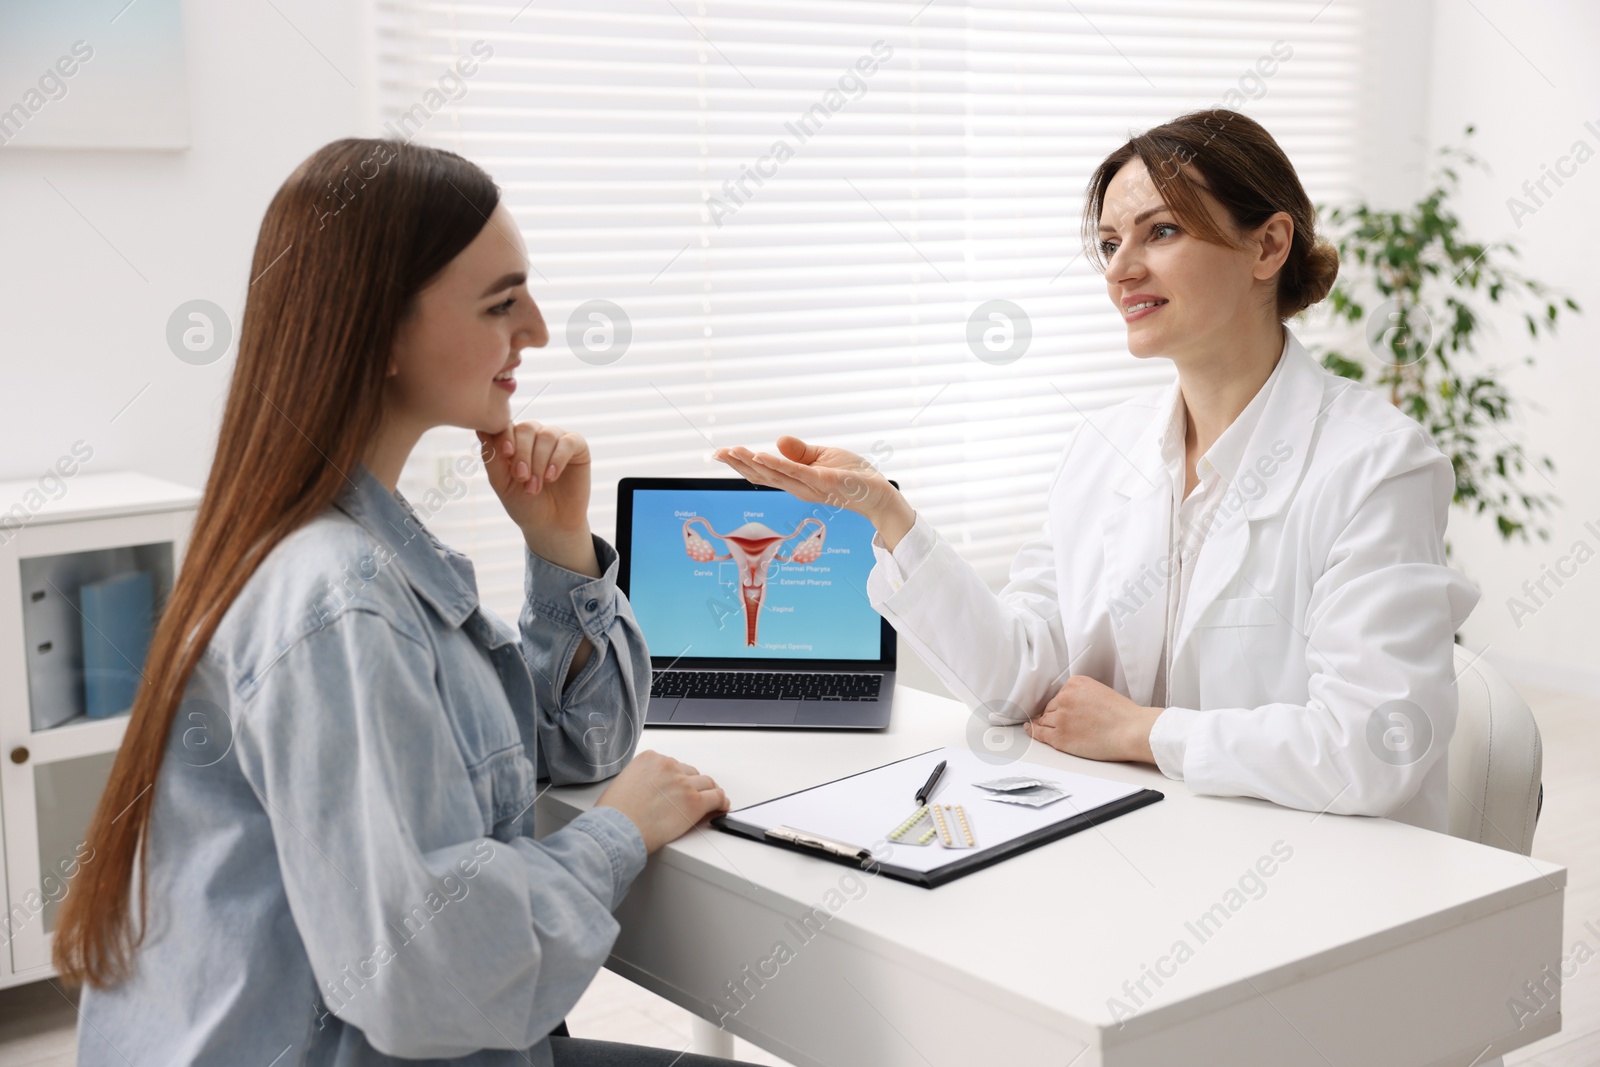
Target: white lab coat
x=1312, y=665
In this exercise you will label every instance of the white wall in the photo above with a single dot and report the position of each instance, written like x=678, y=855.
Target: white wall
x=1524, y=73
x=81, y=332
x=1394, y=105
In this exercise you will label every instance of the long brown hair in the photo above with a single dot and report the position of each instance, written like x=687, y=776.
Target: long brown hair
x=352, y=236
x=1238, y=162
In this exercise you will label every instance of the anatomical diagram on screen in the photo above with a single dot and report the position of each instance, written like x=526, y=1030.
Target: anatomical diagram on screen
x=754, y=547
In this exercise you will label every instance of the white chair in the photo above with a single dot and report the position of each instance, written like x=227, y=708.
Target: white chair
x=1496, y=761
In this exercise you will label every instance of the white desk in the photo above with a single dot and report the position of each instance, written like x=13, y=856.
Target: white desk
x=1374, y=945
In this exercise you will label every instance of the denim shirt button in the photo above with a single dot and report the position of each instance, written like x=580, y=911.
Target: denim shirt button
x=593, y=605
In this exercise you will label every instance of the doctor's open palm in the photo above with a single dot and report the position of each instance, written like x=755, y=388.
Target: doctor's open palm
x=817, y=474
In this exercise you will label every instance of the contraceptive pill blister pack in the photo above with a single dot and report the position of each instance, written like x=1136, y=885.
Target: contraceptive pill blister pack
x=949, y=824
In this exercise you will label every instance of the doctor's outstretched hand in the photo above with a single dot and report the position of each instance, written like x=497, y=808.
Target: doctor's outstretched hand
x=821, y=475
x=1089, y=719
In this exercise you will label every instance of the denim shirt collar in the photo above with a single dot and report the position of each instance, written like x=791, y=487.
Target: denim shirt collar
x=442, y=576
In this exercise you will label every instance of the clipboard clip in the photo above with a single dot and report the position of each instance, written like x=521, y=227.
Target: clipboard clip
x=821, y=844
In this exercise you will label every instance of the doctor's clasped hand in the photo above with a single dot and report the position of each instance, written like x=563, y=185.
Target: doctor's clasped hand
x=1090, y=719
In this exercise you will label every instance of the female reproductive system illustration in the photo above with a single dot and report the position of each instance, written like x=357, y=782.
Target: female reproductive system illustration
x=754, y=547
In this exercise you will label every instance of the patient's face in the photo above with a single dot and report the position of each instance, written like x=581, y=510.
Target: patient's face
x=1209, y=290
x=467, y=326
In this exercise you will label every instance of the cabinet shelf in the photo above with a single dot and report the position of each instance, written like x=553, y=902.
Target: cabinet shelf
x=78, y=736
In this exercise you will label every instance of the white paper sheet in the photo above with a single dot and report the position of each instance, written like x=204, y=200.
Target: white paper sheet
x=861, y=810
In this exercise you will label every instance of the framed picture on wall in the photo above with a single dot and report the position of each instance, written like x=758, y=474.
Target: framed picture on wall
x=93, y=74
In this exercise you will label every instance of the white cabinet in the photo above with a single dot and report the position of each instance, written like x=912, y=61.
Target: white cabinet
x=58, y=535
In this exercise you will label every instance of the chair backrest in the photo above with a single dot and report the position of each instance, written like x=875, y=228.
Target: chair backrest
x=1496, y=760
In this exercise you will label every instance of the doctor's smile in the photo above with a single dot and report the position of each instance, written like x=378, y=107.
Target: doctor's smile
x=1140, y=305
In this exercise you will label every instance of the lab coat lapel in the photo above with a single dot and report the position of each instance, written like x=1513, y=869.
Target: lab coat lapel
x=1214, y=568
x=1135, y=538
x=1286, y=428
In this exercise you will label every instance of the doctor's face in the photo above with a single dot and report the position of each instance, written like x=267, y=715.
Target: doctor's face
x=1198, y=295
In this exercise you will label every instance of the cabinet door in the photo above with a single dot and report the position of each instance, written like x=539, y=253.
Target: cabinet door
x=55, y=758
x=65, y=792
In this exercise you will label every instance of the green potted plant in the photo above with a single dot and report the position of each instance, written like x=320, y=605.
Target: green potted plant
x=1417, y=288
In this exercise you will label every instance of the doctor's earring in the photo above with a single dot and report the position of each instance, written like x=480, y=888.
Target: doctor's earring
x=995, y=734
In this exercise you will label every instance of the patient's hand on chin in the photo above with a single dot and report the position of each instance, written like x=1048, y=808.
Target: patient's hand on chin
x=541, y=474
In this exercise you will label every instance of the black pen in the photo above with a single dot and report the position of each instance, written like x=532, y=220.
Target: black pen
x=933, y=779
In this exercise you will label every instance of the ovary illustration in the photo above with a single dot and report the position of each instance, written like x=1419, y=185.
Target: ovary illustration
x=754, y=547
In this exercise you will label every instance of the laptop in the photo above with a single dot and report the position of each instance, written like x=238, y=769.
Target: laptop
x=754, y=606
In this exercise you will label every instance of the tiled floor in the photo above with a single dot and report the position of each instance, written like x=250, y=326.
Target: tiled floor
x=37, y=1026
x=37, y=1021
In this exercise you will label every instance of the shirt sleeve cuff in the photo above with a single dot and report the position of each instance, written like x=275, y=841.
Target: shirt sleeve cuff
x=620, y=840
x=575, y=601
x=911, y=552
x=1169, y=739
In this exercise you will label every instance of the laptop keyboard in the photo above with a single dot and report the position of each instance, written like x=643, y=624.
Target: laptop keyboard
x=763, y=685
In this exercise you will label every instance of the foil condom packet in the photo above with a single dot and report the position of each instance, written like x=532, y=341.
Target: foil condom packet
x=1013, y=784
x=1033, y=798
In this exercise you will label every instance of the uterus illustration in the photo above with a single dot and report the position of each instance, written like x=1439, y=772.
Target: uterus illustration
x=754, y=547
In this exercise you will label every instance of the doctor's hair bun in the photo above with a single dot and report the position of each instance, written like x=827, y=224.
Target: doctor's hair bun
x=1307, y=277
x=1233, y=158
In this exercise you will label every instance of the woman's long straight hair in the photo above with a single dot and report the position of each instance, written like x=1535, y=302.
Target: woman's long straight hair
x=353, y=235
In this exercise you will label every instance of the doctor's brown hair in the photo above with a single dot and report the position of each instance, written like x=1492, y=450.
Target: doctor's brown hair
x=1236, y=160
x=346, y=244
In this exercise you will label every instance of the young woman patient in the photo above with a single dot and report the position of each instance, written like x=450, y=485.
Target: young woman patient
x=317, y=842
x=1242, y=576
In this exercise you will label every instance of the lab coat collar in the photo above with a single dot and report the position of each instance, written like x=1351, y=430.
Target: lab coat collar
x=1230, y=451
x=1277, y=424
x=1265, y=480
x=1135, y=536
x=1283, y=434
x=441, y=576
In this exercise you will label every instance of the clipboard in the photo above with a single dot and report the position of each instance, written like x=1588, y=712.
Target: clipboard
x=849, y=819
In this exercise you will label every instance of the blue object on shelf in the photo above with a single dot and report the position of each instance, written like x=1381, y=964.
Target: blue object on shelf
x=118, y=617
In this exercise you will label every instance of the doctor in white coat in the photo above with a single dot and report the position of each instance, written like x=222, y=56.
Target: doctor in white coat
x=1241, y=578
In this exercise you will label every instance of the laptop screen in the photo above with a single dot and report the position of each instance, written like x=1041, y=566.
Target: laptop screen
x=743, y=573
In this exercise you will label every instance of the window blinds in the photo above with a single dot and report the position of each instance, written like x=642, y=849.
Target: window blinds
x=852, y=221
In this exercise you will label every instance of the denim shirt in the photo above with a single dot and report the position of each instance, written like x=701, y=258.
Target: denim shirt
x=341, y=853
